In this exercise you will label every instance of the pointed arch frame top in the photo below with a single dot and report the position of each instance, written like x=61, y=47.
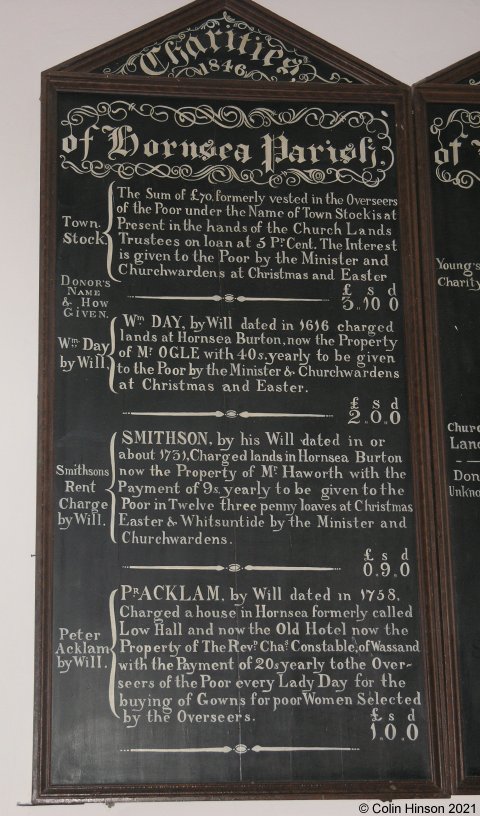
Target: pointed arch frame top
x=465, y=73
x=346, y=68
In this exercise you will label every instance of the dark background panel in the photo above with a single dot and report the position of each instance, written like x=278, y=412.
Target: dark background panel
x=89, y=744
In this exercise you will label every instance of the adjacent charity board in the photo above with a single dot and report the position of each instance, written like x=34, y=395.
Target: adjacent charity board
x=237, y=587
x=449, y=140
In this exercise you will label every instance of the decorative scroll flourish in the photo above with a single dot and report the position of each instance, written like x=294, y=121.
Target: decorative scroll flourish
x=452, y=135
x=238, y=749
x=367, y=162
x=222, y=174
x=229, y=568
x=230, y=414
x=225, y=46
x=228, y=298
x=226, y=116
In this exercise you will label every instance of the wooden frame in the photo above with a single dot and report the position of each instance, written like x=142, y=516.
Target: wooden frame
x=423, y=95
x=77, y=76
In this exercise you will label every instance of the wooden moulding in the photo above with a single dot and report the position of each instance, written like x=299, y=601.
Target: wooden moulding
x=425, y=93
x=435, y=589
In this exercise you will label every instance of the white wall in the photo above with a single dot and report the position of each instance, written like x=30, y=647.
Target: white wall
x=406, y=38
